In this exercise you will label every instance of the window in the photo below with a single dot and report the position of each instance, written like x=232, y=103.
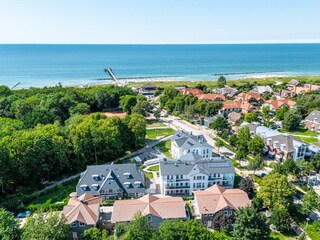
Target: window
x=207, y=150
x=204, y=151
x=74, y=224
x=81, y=224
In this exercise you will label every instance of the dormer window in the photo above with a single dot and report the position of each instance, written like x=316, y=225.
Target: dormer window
x=84, y=187
x=95, y=187
x=137, y=184
x=96, y=177
x=127, y=175
x=127, y=184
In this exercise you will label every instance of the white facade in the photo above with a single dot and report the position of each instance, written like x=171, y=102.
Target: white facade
x=205, y=151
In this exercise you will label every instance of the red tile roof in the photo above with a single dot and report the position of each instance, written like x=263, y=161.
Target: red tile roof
x=212, y=97
x=247, y=96
x=84, y=209
x=231, y=104
x=191, y=91
x=165, y=208
x=216, y=198
x=277, y=104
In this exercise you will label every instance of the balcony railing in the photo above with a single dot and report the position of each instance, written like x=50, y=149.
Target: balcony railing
x=177, y=187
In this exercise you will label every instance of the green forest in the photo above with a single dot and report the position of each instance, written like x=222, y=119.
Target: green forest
x=49, y=133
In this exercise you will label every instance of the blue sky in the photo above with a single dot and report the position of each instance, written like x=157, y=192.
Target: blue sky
x=162, y=21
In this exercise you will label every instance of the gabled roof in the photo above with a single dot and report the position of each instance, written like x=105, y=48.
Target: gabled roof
x=216, y=198
x=234, y=116
x=191, y=91
x=314, y=116
x=263, y=89
x=227, y=91
x=277, y=104
x=186, y=140
x=164, y=208
x=247, y=96
x=84, y=209
x=231, y=104
x=212, y=97
x=110, y=176
x=285, y=142
x=294, y=82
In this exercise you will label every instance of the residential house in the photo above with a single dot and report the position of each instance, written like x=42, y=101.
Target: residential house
x=227, y=91
x=114, y=181
x=306, y=88
x=191, y=92
x=156, y=209
x=262, y=89
x=251, y=97
x=233, y=117
x=230, y=106
x=293, y=83
x=147, y=89
x=284, y=93
x=212, y=97
x=191, y=172
x=82, y=213
x=236, y=106
x=277, y=104
x=278, y=145
x=284, y=146
x=183, y=143
x=312, y=121
x=216, y=199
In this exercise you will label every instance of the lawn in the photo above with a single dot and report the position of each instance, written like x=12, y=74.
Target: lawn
x=148, y=175
x=301, y=131
x=155, y=124
x=280, y=236
x=313, y=230
x=154, y=168
x=156, y=133
x=309, y=140
x=57, y=194
x=165, y=147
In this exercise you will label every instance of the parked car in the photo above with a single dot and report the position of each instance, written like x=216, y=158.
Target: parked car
x=24, y=214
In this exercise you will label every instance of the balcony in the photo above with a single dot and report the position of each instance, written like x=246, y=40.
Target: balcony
x=177, y=187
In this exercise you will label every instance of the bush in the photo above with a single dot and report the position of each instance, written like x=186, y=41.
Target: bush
x=108, y=202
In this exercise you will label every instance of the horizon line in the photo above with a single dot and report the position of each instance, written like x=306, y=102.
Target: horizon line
x=182, y=43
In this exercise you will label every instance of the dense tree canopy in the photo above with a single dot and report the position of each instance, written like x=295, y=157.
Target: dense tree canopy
x=276, y=192
x=250, y=225
x=9, y=227
x=43, y=132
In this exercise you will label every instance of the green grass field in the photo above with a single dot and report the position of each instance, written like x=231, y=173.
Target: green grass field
x=280, y=236
x=57, y=194
x=148, y=175
x=155, y=124
x=302, y=132
x=154, y=168
x=165, y=148
x=155, y=133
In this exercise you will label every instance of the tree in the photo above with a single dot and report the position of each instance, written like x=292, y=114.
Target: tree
x=127, y=102
x=310, y=202
x=276, y=192
x=219, y=144
x=220, y=221
x=281, y=219
x=250, y=225
x=280, y=113
x=9, y=227
x=242, y=143
x=219, y=124
x=265, y=113
x=80, y=108
x=46, y=226
x=251, y=117
x=290, y=166
x=256, y=163
x=291, y=121
x=137, y=124
x=246, y=184
x=233, y=140
x=94, y=234
x=221, y=82
x=256, y=145
x=139, y=229
x=171, y=230
x=196, y=231
x=170, y=105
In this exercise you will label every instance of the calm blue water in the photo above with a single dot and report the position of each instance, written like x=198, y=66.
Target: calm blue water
x=46, y=65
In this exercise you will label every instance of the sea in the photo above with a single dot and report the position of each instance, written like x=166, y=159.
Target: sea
x=23, y=66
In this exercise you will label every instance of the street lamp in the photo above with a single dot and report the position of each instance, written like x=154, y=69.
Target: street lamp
x=308, y=219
